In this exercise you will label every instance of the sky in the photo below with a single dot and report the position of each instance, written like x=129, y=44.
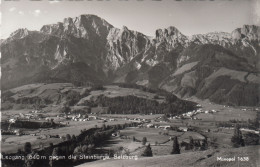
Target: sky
x=189, y=16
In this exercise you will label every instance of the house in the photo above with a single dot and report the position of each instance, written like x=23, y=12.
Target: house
x=150, y=125
x=213, y=111
x=114, y=134
x=17, y=132
x=92, y=117
x=12, y=120
x=184, y=129
x=141, y=125
x=165, y=127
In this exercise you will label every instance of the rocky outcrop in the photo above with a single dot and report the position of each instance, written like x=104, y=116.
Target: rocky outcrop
x=251, y=32
x=123, y=45
x=172, y=36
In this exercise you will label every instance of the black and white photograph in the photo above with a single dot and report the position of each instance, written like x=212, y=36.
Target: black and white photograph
x=130, y=83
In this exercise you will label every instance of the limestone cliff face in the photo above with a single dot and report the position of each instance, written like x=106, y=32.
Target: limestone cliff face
x=87, y=49
x=123, y=45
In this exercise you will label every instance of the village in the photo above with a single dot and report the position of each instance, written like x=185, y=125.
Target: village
x=161, y=122
x=43, y=128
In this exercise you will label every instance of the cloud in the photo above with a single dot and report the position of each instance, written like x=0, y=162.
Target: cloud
x=54, y=1
x=21, y=13
x=12, y=9
x=256, y=12
x=36, y=12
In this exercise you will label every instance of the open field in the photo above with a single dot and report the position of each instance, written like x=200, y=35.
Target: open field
x=150, y=133
x=185, y=68
x=115, y=91
x=11, y=143
x=225, y=113
x=133, y=116
x=229, y=114
x=160, y=143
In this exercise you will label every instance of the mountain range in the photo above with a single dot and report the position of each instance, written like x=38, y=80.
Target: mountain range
x=87, y=50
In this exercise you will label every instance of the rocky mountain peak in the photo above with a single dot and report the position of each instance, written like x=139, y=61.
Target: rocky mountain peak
x=172, y=36
x=83, y=26
x=170, y=32
x=124, y=28
x=220, y=38
x=20, y=33
x=251, y=32
x=23, y=33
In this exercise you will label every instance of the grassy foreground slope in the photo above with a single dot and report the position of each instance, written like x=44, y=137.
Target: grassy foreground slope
x=200, y=159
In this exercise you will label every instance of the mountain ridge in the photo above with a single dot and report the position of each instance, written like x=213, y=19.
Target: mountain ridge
x=77, y=48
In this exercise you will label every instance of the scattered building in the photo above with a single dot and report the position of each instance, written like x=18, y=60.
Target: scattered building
x=150, y=125
x=184, y=129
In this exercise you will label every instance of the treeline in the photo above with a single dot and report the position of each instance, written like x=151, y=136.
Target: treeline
x=34, y=125
x=135, y=86
x=136, y=105
x=71, y=97
x=249, y=124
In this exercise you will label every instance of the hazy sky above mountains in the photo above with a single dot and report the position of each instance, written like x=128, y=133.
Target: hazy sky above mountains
x=190, y=16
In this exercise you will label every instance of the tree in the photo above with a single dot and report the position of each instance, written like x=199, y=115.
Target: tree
x=191, y=143
x=73, y=137
x=203, y=145
x=68, y=137
x=251, y=139
x=176, y=148
x=256, y=123
x=104, y=127
x=32, y=162
x=144, y=140
x=41, y=145
x=52, y=122
x=54, y=161
x=197, y=144
x=27, y=148
x=90, y=149
x=77, y=150
x=72, y=98
x=63, y=138
x=84, y=149
x=156, y=97
x=148, y=151
x=134, y=138
x=65, y=109
x=237, y=138
x=19, y=151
